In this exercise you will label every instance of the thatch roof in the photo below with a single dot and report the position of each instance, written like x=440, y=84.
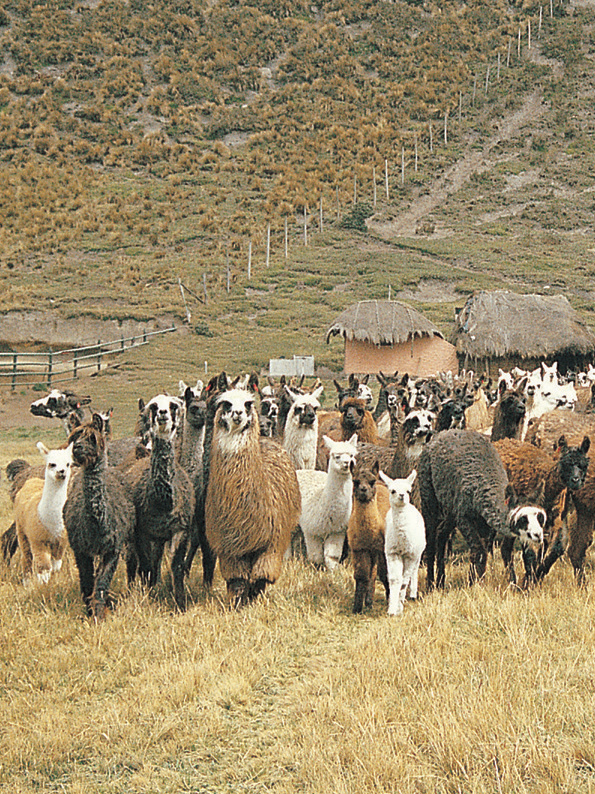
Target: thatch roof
x=381, y=323
x=503, y=324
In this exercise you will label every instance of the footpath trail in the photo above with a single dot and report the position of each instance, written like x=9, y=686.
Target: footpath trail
x=474, y=161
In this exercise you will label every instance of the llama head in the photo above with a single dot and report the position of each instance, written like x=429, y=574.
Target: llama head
x=235, y=412
x=365, y=479
x=418, y=427
x=342, y=455
x=58, y=462
x=89, y=442
x=353, y=411
x=58, y=404
x=163, y=415
x=573, y=463
x=196, y=406
x=364, y=392
x=304, y=408
x=527, y=523
x=399, y=490
x=549, y=374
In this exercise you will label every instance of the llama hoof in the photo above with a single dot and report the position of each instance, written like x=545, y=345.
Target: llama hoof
x=44, y=577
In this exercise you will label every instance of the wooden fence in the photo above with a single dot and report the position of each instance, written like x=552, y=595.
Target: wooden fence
x=64, y=365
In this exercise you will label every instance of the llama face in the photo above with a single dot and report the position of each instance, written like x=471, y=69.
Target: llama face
x=235, y=413
x=163, y=413
x=527, y=524
x=304, y=409
x=342, y=455
x=399, y=491
x=417, y=429
x=196, y=407
x=573, y=463
x=58, y=462
x=58, y=404
x=364, y=484
x=353, y=411
x=88, y=442
x=364, y=392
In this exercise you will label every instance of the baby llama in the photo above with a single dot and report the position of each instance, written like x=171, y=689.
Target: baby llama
x=253, y=501
x=404, y=541
x=327, y=503
x=38, y=516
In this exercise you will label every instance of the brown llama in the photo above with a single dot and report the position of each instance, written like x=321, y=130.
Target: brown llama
x=365, y=534
x=252, y=501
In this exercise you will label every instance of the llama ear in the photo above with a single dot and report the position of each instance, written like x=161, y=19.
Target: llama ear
x=510, y=497
x=412, y=477
x=97, y=422
x=141, y=404
x=317, y=392
x=42, y=448
x=375, y=468
x=585, y=446
x=353, y=440
x=562, y=444
x=289, y=393
x=386, y=480
x=328, y=442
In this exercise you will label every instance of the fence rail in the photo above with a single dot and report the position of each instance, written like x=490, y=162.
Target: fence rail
x=64, y=365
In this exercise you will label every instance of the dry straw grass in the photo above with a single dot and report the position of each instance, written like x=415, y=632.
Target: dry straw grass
x=473, y=690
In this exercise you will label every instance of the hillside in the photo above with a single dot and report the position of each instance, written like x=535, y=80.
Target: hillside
x=143, y=146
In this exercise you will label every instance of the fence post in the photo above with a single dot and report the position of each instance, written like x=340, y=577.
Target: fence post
x=98, y=355
x=15, y=358
x=75, y=362
x=50, y=366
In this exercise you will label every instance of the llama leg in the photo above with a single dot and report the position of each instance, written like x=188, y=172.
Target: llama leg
x=57, y=552
x=507, y=552
x=9, y=543
x=579, y=540
x=42, y=562
x=84, y=564
x=394, y=564
x=444, y=533
x=26, y=556
x=530, y=563
x=372, y=582
x=413, y=573
x=382, y=571
x=361, y=573
x=178, y=569
x=101, y=594
x=314, y=549
x=333, y=549
x=256, y=588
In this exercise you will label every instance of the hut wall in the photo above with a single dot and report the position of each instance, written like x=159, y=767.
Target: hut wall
x=422, y=357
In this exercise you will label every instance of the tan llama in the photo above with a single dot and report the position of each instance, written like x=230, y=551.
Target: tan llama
x=38, y=516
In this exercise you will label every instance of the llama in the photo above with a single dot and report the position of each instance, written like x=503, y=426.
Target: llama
x=252, y=500
x=404, y=541
x=190, y=454
x=163, y=496
x=38, y=515
x=509, y=413
x=365, y=534
x=300, y=438
x=327, y=503
x=532, y=471
x=463, y=485
x=98, y=515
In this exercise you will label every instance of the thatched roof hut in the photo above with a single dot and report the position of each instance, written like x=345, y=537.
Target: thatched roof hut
x=388, y=336
x=504, y=329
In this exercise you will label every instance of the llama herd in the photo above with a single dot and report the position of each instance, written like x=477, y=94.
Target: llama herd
x=244, y=472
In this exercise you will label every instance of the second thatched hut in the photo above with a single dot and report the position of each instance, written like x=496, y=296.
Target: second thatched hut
x=504, y=329
x=388, y=336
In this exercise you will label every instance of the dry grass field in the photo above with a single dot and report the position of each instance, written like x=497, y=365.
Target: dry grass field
x=480, y=689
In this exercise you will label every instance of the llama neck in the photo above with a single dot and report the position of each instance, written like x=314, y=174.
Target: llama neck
x=338, y=485
x=162, y=472
x=49, y=509
x=553, y=487
x=94, y=488
x=191, y=450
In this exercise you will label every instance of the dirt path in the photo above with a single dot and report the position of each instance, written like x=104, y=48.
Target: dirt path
x=474, y=161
